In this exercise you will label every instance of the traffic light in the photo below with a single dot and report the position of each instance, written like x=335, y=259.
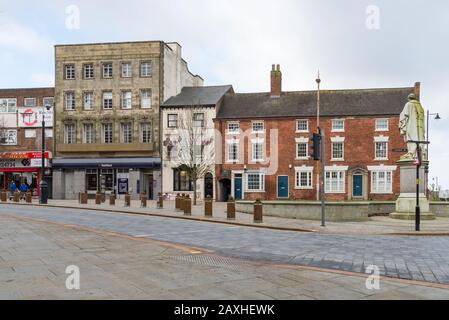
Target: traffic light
x=316, y=143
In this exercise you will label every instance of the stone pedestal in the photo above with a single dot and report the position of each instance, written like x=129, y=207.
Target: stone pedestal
x=406, y=203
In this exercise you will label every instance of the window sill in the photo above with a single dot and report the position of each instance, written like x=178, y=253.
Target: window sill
x=335, y=192
x=338, y=160
x=338, y=131
x=255, y=191
x=301, y=131
x=302, y=159
x=381, y=192
x=303, y=188
x=381, y=159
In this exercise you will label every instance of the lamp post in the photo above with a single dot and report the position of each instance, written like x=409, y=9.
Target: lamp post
x=43, y=184
x=437, y=117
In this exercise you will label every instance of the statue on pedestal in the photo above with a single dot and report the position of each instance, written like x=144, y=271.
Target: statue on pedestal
x=411, y=126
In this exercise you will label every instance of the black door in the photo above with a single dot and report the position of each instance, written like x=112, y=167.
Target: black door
x=209, y=185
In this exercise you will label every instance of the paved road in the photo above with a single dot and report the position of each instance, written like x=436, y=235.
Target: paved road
x=417, y=258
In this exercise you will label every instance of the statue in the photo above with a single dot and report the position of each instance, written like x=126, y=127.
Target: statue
x=411, y=126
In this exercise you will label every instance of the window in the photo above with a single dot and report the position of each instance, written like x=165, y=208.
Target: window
x=107, y=179
x=172, y=120
x=304, y=178
x=337, y=151
x=107, y=133
x=126, y=100
x=181, y=179
x=302, y=125
x=127, y=132
x=49, y=101
x=88, y=100
x=107, y=100
x=301, y=150
x=88, y=133
x=145, y=132
x=49, y=133
x=107, y=70
x=233, y=151
x=338, y=125
x=30, y=102
x=255, y=182
x=88, y=71
x=70, y=101
x=335, y=181
x=381, y=124
x=127, y=70
x=381, y=182
x=69, y=133
x=91, y=179
x=30, y=133
x=381, y=150
x=145, y=69
x=145, y=99
x=8, y=137
x=257, y=151
x=198, y=120
x=233, y=128
x=258, y=126
x=69, y=71
x=8, y=105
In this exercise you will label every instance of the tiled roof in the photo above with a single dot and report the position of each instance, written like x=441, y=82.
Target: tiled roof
x=198, y=96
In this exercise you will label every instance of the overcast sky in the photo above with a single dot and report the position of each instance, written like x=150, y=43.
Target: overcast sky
x=354, y=43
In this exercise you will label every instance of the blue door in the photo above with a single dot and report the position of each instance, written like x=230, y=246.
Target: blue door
x=238, y=188
x=357, y=188
x=283, y=187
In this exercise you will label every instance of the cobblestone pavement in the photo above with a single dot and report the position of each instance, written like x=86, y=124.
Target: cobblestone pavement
x=405, y=257
x=34, y=256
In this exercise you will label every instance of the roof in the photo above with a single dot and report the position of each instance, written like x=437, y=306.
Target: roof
x=194, y=96
x=360, y=102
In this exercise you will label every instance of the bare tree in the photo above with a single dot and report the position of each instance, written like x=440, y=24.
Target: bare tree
x=193, y=145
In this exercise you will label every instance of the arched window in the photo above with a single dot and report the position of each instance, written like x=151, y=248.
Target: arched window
x=181, y=179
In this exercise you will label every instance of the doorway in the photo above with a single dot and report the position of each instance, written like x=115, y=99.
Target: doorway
x=209, y=185
x=238, y=184
x=282, y=192
x=225, y=190
x=357, y=186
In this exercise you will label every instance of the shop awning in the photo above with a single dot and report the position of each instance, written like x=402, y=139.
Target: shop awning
x=130, y=163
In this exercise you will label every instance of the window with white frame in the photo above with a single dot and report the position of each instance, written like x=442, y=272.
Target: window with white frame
x=126, y=100
x=30, y=102
x=88, y=100
x=69, y=133
x=381, y=181
x=381, y=150
x=302, y=125
x=127, y=132
x=255, y=182
x=145, y=98
x=88, y=71
x=257, y=150
x=304, y=178
x=258, y=126
x=233, y=151
x=30, y=133
x=127, y=70
x=172, y=120
x=107, y=100
x=107, y=70
x=88, y=133
x=107, y=133
x=337, y=150
x=49, y=133
x=48, y=101
x=338, y=125
x=70, y=101
x=145, y=69
x=8, y=105
x=69, y=72
x=233, y=128
x=381, y=124
x=198, y=120
x=145, y=132
x=335, y=181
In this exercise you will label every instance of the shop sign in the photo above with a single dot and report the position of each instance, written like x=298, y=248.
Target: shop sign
x=21, y=163
x=24, y=155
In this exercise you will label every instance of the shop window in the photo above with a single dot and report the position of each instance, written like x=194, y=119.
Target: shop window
x=91, y=180
x=181, y=179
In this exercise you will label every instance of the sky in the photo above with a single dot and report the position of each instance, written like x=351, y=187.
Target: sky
x=354, y=44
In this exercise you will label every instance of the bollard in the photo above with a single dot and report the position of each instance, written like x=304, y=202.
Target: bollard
x=98, y=198
x=112, y=199
x=160, y=201
x=3, y=196
x=143, y=200
x=231, y=209
x=182, y=200
x=16, y=197
x=127, y=200
x=177, y=199
x=258, y=211
x=187, y=206
x=208, y=207
x=83, y=197
x=28, y=197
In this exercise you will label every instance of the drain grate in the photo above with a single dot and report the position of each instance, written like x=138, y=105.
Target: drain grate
x=213, y=261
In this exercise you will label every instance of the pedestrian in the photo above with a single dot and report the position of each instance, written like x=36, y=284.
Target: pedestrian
x=12, y=188
x=23, y=190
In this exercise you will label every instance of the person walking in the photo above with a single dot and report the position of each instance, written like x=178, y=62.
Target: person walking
x=12, y=188
x=23, y=190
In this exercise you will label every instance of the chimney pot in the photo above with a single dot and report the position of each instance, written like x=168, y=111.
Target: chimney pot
x=276, y=81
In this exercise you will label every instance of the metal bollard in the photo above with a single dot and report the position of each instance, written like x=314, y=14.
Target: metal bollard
x=127, y=200
x=258, y=211
x=208, y=207
x=16, y=197
x=160, y=201
x=143, y=200
x=112, y=199
x=3, y=196
x=98, y=198
x=231, y=209
x=188, y=206
x=28, y=197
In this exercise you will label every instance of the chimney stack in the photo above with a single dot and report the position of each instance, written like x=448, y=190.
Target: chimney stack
x=417, y=90
x=276, y=81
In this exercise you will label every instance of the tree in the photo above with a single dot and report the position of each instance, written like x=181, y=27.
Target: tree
x=192, y=145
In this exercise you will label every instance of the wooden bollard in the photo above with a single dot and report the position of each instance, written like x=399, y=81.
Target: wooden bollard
x=258, y=211
x=16, y=197
x=208, y=207
x=127, y=200
x=187, y=206
x=28, y=197
x=112, y=199
x=177, y=202
x=231, y=209
x=143, y=200
x=83, y=198
x=160, y=201
x=182, y=201
x=3, y=196
x=98, y=198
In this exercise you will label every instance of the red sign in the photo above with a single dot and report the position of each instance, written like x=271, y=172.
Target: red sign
x=24, y=155
x=29, y=117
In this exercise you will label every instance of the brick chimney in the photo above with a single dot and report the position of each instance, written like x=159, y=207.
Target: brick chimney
x=417, y=90
x=276, y=81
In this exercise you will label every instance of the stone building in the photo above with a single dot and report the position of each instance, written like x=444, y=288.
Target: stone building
x=21, y=136
x=190, y=113
x=107, y=98
x=266, y=143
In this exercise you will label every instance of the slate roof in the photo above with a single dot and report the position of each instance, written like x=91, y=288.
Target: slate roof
x=194, y=96
x=361, y=102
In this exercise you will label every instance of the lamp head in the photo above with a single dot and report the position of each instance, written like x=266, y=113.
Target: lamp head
x=437, y=117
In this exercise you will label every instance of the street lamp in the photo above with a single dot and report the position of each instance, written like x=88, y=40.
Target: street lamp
x=437, y=117
x=43, y=184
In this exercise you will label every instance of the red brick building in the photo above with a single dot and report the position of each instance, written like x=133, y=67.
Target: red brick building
x=20, y=135
x=266, y=143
